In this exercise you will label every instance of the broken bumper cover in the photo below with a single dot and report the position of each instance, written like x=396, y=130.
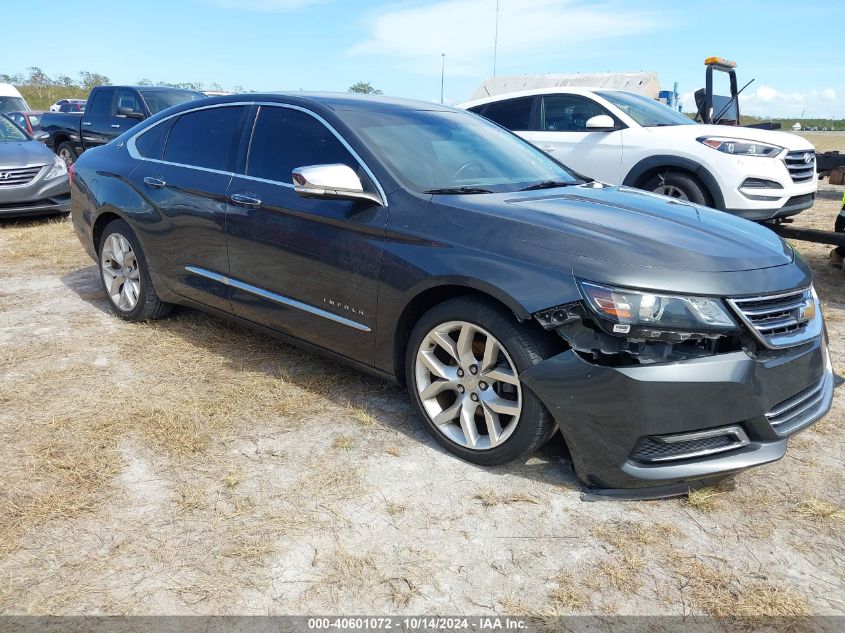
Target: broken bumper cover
x=608, y=414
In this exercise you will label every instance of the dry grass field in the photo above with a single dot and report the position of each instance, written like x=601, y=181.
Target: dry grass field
x=826, y=141
x=189, y=466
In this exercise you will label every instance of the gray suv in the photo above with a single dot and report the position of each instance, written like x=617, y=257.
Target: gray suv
x=33, y=180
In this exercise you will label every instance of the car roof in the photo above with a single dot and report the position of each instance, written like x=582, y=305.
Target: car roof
x=575, y=90
x=336, y=100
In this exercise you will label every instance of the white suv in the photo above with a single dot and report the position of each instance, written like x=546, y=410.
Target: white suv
x=625, y=138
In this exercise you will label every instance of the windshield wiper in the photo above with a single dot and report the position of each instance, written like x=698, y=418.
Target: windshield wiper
x=458, y=190
x=547, y=184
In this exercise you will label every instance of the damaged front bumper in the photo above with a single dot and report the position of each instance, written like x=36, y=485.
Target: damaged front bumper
x=646, y=426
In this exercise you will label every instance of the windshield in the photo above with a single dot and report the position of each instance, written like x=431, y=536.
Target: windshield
x=9, y=132
x=644, y=110
x=429, y=151
x=13, y=104
x=158, y=100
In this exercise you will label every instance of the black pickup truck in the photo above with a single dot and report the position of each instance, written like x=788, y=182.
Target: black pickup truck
x=110, y=111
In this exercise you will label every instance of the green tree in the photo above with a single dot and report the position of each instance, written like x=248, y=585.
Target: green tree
x=92, y=80
x=37, y=80
x=364, y=88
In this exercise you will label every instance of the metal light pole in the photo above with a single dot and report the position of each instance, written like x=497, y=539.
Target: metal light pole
x=442, y=75
x=496, y=39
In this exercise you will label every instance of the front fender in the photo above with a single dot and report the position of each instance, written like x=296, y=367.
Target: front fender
x=667, y=160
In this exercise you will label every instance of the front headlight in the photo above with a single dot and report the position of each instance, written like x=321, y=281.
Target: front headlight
x=58, y=169
x=741, y=147
x=633, y=309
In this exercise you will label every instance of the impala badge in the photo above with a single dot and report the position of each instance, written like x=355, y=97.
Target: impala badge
x=340, y=305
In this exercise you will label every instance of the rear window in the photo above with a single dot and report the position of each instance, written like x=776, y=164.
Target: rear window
x=205, y=138
x=100, y=102
x=513, y=114
x=151, y=143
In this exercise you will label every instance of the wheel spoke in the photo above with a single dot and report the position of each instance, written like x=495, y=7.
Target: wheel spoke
x=116, y=250
x=114, y=281
x=502, y=374
x=491, y=354
x=437, y=387
x=434, y=365
x=494, y=426
x=468, y=422
x=465, y=345
x=448, y=415
x=446, y=342
x=502, y=406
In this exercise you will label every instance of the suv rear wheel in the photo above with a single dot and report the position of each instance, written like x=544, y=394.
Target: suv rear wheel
x=679, y=186
x=462, y=369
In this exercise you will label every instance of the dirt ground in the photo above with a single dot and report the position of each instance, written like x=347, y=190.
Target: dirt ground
x=189, y=466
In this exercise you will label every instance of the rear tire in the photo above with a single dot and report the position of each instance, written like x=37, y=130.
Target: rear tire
x=462, y=365
x=679, y=186
x=66, y=152
x=126, y=277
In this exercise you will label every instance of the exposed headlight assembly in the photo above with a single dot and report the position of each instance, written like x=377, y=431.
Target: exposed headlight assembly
x=633, y=311
x=58, y=169
x=741, y=147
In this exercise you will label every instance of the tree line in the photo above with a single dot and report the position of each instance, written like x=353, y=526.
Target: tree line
x=40, y=90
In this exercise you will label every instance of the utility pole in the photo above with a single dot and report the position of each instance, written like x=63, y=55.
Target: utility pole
x=496, y=39
x=442, y=75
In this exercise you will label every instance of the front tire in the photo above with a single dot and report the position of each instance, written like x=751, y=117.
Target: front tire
x=679, y=186
x=126, y=277
x=66, y=152
x=462, y=370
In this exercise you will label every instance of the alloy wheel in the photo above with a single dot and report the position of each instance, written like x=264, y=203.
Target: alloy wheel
x=672, y=192
x=468, y=385
x=120, y=272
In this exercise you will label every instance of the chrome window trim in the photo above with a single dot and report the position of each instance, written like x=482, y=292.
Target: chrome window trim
x=277, y=298
x=133, y=151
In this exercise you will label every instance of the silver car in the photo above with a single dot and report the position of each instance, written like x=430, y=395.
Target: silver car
x=33, y=180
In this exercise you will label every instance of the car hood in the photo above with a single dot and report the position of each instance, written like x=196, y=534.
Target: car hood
x=24, y=154
x=792, y=142
x=621, y=225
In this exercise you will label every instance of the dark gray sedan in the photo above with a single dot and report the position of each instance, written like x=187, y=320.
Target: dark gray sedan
x=33, y=180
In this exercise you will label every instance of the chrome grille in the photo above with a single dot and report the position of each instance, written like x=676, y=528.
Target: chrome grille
x=780, y=320
x=799, y=168
x=666, y=448
x=18, y=176
x=801, y=409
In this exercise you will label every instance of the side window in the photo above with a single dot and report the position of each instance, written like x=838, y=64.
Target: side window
x=568, y=113
x=285, y=139
x=205, y=138
x=151, y=143
x=128, y=99
x=513, y=114
x=100, y=103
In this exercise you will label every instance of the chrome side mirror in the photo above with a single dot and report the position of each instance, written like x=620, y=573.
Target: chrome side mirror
x=335, y=181
x=40, y=136
x=601, y=122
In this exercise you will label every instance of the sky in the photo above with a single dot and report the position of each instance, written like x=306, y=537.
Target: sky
x=793, y=51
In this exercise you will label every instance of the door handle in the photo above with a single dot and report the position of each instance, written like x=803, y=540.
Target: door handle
x=154, y=183
x=86, y=123
x=245, y=201
x=115, y=124
x=547, y=148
